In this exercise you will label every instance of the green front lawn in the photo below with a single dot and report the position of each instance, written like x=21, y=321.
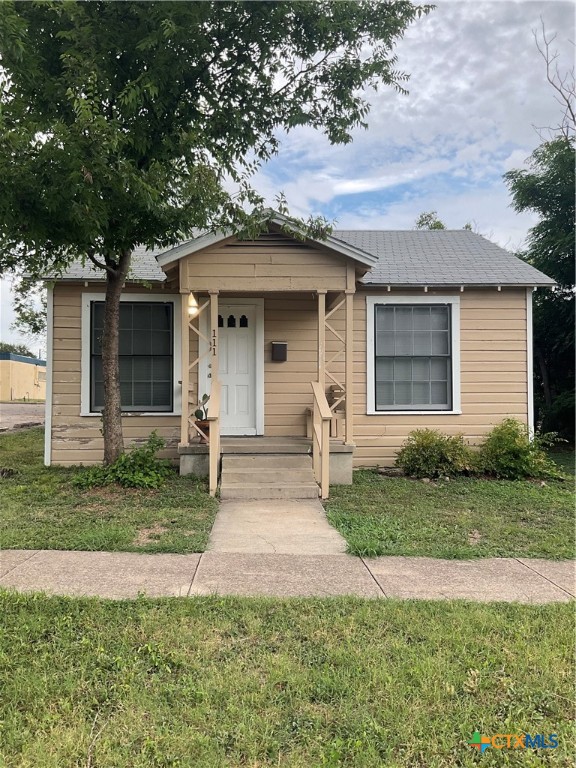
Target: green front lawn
x=211, y=682
x=377, y=515
x=42, y=510
x=454, y=519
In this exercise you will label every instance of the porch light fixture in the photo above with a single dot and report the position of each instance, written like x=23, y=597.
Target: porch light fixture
x=192, y=305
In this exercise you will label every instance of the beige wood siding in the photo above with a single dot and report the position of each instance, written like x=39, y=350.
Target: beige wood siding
x=287, y=390
x=493, y=345
x=493, y=363
x=271, y=263
x=76, y=439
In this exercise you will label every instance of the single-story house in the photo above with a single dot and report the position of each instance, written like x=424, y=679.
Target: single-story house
x=22, y=377
x=338, y=348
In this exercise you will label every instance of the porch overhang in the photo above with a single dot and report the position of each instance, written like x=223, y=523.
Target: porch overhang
x=277, y=222
x=330, y=411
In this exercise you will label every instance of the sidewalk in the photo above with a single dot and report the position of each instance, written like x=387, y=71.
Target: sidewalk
x=120, y=575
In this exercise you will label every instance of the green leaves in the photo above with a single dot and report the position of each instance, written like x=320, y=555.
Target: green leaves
x=547, y=188
x=429, y=453
x=137, y=469
x=507, y=451
x=143, y=108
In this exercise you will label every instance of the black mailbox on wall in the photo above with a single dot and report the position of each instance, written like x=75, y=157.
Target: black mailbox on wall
x=279, y=351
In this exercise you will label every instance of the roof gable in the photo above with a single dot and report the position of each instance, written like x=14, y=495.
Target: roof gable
x=278, y=221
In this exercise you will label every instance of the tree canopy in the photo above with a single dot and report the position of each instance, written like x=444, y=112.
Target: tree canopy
x=137, y=123
x=547, y=188
x=121, y=121
x=430, y=220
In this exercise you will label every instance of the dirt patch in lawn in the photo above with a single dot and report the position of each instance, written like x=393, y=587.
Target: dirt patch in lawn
x=148, y=535
x=474, y=537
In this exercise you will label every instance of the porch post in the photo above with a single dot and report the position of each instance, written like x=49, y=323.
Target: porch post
x=185, y=367
x=214, y=402
x=213, y=364
x=322, y=339
x=349, y=354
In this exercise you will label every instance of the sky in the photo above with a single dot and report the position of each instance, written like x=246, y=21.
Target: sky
x=477, y=94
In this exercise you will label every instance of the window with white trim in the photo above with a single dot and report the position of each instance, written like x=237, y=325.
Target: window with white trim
x=146, y=356
x=413, y=355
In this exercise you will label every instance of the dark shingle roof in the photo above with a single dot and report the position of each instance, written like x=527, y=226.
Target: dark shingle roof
x=143, y=267
x=439, y=257
x=405, y=258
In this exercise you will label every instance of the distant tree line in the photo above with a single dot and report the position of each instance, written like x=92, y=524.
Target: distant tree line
x=16, y=349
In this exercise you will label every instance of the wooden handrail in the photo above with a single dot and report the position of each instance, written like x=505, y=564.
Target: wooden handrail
x=321, y=417
x=320, y=398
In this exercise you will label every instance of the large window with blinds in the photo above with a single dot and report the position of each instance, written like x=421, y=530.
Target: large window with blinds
x=412, y=351
x=146, y=353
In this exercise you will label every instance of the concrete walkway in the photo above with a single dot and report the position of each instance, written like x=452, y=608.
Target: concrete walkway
x=125, y=575
x=280, y=526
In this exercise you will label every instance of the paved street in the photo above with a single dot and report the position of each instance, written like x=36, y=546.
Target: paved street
x=14, y=414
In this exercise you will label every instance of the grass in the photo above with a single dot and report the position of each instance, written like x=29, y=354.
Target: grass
x=233, y=682
x=565, y=460
x=42, y=510
x=461, y=518
x=377, y=515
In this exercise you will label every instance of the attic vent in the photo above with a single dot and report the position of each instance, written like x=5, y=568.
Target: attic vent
x=271, y=236
x=263, y=240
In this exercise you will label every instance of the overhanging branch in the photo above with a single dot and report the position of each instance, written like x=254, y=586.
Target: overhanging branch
x=99, y=264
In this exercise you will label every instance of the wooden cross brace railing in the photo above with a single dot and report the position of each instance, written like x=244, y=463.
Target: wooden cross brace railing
x=341, y=352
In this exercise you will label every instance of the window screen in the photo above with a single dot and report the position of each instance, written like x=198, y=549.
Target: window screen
x=146, y=350
x=413, y=362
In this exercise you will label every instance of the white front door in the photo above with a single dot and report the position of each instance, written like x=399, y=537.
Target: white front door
x=240, y=362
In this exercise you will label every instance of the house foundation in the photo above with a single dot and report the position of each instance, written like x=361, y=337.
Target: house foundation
x=194, y=458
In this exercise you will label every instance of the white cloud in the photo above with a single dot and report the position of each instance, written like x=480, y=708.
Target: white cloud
x=477, y=90
x=487, y=210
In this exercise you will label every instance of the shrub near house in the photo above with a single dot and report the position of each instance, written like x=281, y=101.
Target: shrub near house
x=428, y=453
x=508, y=452
x=139, y=468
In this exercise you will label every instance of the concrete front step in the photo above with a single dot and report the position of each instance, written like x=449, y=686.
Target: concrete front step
x=265, y=462
x=268, y=491
x=267, y=476
x=264, y=445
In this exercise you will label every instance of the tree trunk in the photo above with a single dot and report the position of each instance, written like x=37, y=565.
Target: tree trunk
x=544, y=375
x=112, y=412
